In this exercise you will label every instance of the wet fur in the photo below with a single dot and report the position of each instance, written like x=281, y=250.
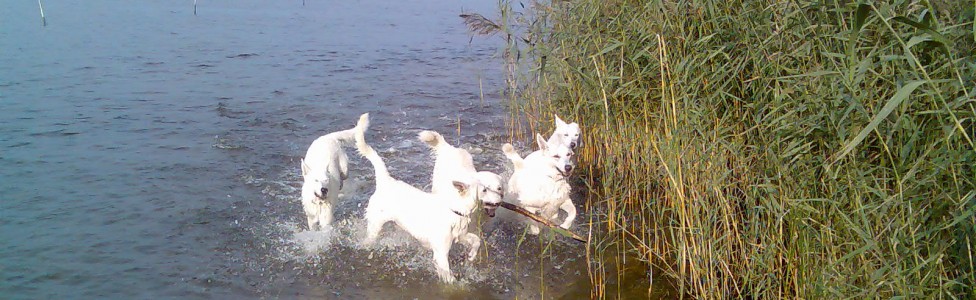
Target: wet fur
x=564, y=134
x=428, y=217
x=325, y=166
x=539, y=183
x=452, y=162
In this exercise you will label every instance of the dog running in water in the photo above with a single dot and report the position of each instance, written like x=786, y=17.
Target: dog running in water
x=539, y=183
x=452, y=162
x=437, y=220
x=324, y=168
x=564, y=134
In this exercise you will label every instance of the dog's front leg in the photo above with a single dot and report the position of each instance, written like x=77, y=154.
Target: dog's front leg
x=441, y=263
x=533, y=228
x=570, y=213
x=473, y=242
x=325, y=216
x=313, y=224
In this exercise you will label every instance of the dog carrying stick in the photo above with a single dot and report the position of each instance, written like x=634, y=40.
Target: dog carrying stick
x=542, y=220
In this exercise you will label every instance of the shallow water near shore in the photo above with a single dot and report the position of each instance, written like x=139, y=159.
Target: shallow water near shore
x=146, y=152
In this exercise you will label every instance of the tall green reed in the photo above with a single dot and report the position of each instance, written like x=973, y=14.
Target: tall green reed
x=768, y=148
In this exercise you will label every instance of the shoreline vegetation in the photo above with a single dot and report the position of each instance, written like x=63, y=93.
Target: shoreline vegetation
x=761, y=149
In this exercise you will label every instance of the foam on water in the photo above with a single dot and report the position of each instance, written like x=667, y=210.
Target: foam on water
x=311, y=242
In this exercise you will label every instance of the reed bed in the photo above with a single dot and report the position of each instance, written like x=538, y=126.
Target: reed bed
x=765, y=149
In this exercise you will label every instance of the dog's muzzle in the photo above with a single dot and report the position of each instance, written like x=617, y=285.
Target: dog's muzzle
x=322, y=193
x=565, y=171
x=490, y=208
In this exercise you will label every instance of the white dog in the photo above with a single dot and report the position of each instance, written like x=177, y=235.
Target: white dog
x=324, y=168
x=564, y=134
x=568, y=134
x=436, y=220
x=539, y=184
x=451, y=162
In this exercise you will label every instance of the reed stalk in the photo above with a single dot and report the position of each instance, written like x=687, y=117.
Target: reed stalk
x=43, y=20
x=765, y=149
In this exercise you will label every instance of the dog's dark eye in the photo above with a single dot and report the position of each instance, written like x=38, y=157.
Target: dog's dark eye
x=485, y=190
x=555, y=156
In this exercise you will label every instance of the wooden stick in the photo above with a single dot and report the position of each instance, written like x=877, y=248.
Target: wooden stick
x=542, y=220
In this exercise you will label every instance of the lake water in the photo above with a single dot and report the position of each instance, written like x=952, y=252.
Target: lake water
x=149, y=153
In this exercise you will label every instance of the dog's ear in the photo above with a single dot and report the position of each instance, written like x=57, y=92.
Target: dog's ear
x=461, y=187
x=559, y=122
x=305, y=168
x=541, y=141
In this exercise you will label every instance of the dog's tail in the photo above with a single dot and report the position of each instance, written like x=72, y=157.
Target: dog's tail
x=367, y=151
x=509, y=151
x=348, y=136
x=433, y=139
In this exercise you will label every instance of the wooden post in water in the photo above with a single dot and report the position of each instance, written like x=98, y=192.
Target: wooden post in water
x=194, y=7
x=43, y=20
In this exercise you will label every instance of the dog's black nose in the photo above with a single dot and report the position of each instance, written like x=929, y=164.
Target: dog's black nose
x=572, y=145
x=568, y=168
x=324, y=191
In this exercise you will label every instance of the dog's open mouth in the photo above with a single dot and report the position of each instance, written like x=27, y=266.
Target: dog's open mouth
x=490, y=208
x=563, y=173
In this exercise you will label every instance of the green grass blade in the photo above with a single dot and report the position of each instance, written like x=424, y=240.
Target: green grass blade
x=889, y=107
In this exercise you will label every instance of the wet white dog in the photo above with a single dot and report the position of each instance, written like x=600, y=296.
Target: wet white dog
x=539, y=183
x=437, y=220
x=324, y=168
x=564, y=134
x=452, y=162
x=569, y=133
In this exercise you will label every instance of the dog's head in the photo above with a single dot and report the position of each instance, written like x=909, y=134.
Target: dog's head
x=315, y=183
x=468, y=189
x=491, y=191
x=568, y=133
x=557, y=155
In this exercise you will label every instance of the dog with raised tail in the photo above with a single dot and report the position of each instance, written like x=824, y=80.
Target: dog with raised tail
x=452, y=162
x=437, y=220
x=324, y=168
x=539, y=183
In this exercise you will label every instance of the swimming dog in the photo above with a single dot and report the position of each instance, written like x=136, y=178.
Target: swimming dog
x=324, y=168
x=451, y=162
x=539, y=183
x=437, y=220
